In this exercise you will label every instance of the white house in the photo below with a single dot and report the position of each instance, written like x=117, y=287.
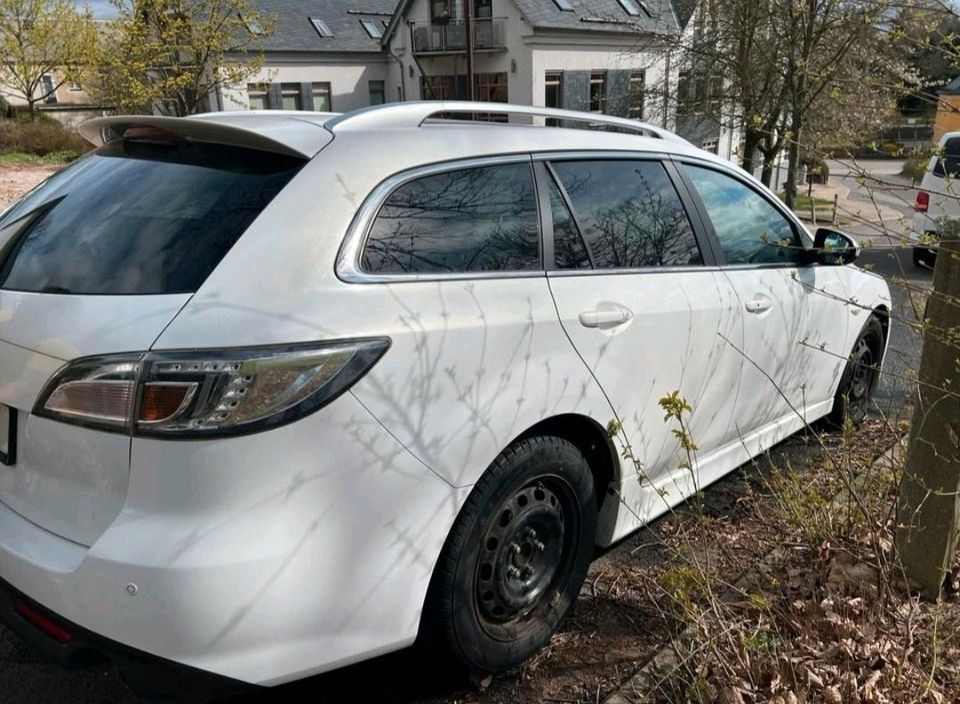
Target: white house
x=611, y=56
x=325, y=55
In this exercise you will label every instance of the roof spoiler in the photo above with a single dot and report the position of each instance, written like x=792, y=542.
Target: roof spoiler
x=101, y=130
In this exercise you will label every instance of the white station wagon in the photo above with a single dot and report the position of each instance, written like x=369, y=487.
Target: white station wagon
x=282, y=392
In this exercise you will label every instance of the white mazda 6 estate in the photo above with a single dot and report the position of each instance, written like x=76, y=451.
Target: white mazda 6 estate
x=280, y=392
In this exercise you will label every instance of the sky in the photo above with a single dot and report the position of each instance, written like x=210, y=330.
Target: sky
x=101, y=8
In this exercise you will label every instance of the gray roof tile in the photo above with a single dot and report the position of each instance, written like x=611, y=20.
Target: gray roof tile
x=296, y=33
x=546, y=14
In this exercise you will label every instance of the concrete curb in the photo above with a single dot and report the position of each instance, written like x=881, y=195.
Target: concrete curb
x=641, y=687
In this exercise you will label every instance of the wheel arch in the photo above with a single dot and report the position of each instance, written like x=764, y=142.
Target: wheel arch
x=591, y=439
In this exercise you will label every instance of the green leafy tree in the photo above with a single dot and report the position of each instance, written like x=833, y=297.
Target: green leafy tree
x=46, y=43
x=169, y=56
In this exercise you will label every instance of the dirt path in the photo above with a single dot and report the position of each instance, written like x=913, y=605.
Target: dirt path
x=15, y=181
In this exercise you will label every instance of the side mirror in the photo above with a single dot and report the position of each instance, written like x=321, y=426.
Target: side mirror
x=834, y=248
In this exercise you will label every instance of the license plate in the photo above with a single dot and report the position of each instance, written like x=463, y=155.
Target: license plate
x=8, y=435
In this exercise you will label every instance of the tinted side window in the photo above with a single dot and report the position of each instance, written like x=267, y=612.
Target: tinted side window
x=750, y=229
x=948, y=164
x=569, y=251
x=141, y=218
x=630, y=213
x=481, y=219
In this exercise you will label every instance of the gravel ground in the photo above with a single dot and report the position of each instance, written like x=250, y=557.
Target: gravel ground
x=14, y=182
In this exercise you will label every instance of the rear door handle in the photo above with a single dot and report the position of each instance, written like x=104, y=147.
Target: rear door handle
x=759, y=305
x=605, y=318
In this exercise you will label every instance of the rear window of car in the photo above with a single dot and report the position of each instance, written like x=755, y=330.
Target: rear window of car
x=139, y=218
x=948, y=164
x=482, y=219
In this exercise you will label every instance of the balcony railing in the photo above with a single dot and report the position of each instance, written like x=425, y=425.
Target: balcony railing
x=451, y=37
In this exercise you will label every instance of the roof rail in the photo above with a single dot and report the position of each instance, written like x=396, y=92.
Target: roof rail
x=416, y=113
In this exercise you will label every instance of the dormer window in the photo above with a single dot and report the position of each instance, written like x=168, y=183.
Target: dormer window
x=564, y=5
x=635, y=7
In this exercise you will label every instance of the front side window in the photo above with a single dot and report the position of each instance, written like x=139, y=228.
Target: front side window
x=748, y=226
x=140, y=218
x=481, y=219
x=631, y=214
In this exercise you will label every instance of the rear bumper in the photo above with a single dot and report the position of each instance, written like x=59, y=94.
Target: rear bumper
x=146, y=674
x=262, y=559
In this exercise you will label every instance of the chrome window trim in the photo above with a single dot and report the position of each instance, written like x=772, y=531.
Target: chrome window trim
x=632, y=272
x=348, y=268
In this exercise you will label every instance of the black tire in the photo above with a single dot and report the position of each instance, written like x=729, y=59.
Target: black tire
x=852, y=401
x=515, y=559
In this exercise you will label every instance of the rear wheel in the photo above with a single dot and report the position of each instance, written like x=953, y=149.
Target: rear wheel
x=855, y=391
x=516, y=557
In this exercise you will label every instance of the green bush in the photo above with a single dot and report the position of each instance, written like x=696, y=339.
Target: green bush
x=40, y=138
x=915, y=166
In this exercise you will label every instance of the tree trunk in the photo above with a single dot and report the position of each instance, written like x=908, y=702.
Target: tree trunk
x=751, y=140
x=928, y=503
x=793, y=164
x=766, y=173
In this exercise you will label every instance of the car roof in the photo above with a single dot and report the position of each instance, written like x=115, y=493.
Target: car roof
x=304, y=134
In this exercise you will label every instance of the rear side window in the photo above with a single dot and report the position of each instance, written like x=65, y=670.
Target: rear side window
x=631, y=215
x=472, y=220
x=948, y=164
x=569, y=251
x=140, y=218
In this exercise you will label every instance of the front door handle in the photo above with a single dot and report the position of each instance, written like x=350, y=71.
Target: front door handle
x=605, y=318
x=759, y=305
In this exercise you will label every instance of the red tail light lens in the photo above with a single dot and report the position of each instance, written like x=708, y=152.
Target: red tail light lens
x=923, y=202
x=203, y=393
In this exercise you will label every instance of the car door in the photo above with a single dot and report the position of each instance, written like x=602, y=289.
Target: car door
x=646, y=310
x=794, y=313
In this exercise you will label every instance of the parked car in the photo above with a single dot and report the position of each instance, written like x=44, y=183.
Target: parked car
x=938, y=200
x=285, y=392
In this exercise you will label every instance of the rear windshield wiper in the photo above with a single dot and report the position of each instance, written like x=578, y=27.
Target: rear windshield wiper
x=55, y=289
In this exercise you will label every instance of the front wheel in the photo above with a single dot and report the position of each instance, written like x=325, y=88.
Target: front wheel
x=516, y=557
x=852, y=401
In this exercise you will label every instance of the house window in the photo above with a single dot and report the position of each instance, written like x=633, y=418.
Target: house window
x=564, y=5
x=373, y=27
x=290, y=96
x=47, y=90
x=635, y=108
x=710, y=145
x=257, y=96
x=631, y=7
x=76, y=87
x=492, y=87
x=440, y=10
x=322, y=29
x=598, y=97
x=443, y=88
x=483, y=9
x=378, y=93
x=553, y=92
x=321, y=97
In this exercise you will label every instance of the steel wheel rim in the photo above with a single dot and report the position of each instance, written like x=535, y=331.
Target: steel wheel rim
x=526, y=557
x=862, y=375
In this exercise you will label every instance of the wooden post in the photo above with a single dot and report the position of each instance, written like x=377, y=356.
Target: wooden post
x=836, y=206
x=929, y=503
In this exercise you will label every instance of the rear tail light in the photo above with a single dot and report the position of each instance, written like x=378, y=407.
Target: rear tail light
x=206, y=393
x=923, y=202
